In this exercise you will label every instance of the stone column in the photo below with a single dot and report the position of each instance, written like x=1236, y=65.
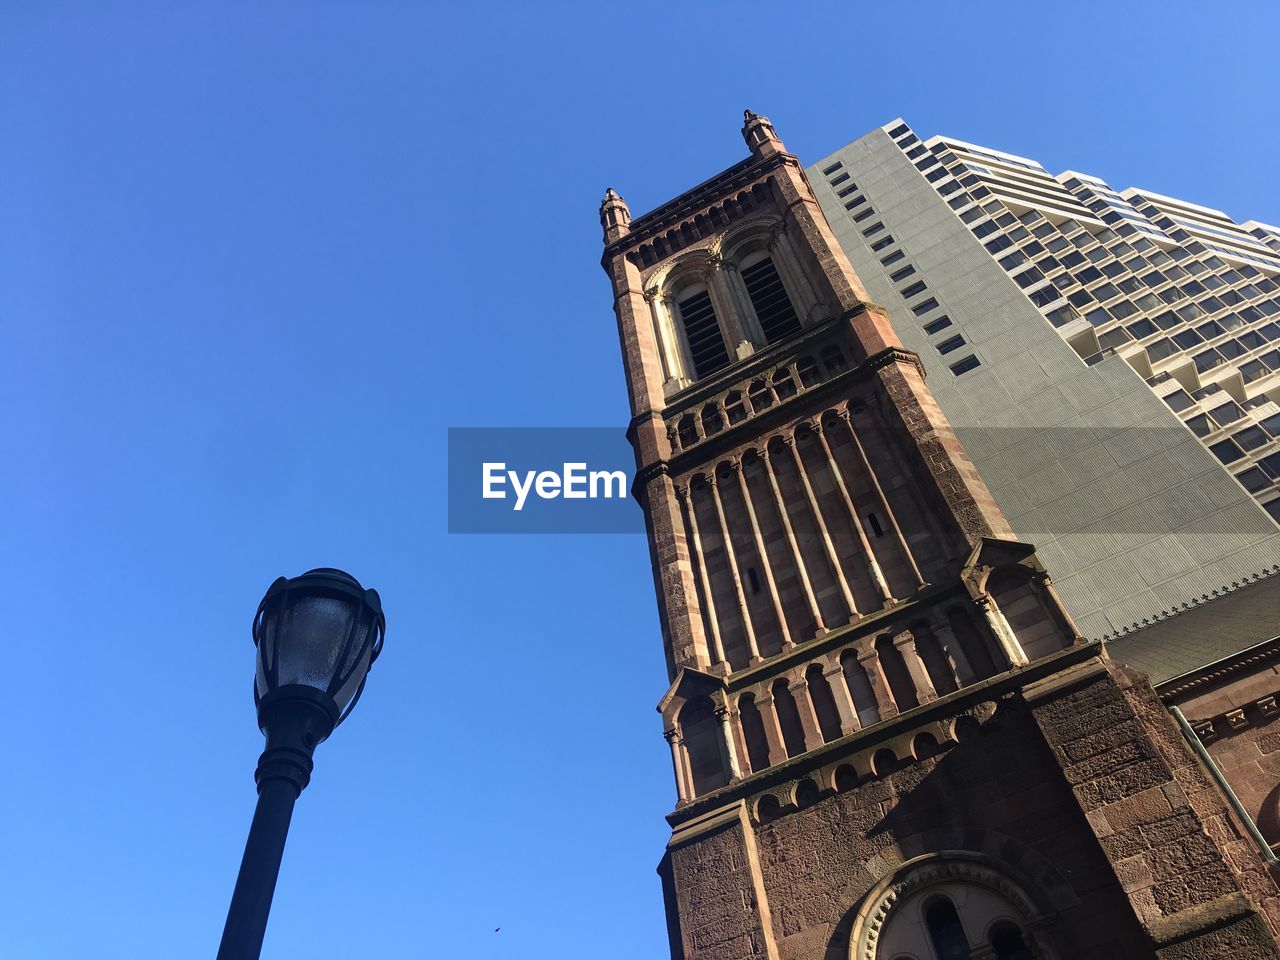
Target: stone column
x=808, y=716
x=869, y=660
x=833, y=673
x=683, y=793
x=791, y=539
x=880, y=497
x=735, y=322
x=954, y=653
x=730, y=746
x=906, y=644
x=675, y=352
x=795, y=280
x=873, y=568
x=685, y=496
x=1009, y=645
x=739, y=469
x=822, y=529
x=733, y=570
x=772, y=729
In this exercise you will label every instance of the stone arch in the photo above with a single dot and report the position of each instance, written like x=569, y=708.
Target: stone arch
x=1017, y=593
x=746, y=236
x=788, y=713
x=703, y=745
x=860, y=689
x=806, y=793
x=753, y=732
x=872, y=936
x=884, y=762
x=896, y=673
x=824, y=703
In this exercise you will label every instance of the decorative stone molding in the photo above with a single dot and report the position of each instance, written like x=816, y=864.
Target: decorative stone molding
x=1192, y=604
x=947, y=866
x=1233, y=721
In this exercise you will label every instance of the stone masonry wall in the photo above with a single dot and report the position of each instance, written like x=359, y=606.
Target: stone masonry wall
x=1163, y=824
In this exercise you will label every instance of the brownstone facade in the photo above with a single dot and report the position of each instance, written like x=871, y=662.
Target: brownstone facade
x=888, y=739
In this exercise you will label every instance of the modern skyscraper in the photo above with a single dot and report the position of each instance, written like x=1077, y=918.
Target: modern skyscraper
x=889, y=739
x=1069, y=333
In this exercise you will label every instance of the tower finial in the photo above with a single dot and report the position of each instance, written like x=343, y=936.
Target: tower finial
x=615, y=216
x=760, y=135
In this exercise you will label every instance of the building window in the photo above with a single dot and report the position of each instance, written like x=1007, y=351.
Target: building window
x=773, y=307
x=951, y=343
x=915, y=288
x=921, y=309
x=702, y=330
x=936, y=326
x=881, y=244
x=945, y=930
x=965, y=365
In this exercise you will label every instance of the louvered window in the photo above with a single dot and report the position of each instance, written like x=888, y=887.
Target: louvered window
x=777, y=317
x=702, y=330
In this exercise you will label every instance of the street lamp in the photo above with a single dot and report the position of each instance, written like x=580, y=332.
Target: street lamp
x=317, y=636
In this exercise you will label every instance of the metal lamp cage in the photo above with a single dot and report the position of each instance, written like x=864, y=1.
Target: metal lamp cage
x=364, y=635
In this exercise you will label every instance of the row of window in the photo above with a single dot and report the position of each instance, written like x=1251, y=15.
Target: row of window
x=884, y=244
x=1187, y=302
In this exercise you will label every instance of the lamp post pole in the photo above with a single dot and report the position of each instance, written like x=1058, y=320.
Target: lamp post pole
x=324, y=630
x=295, y=718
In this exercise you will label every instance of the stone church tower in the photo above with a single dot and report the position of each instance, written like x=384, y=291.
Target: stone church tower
x=888, y=739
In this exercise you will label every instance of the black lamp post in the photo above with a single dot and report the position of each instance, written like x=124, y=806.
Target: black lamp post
x=317, y=636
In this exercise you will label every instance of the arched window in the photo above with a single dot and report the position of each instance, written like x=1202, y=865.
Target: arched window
x=788, y=718
x=935, y=661
x=761, y=398
x=859, y=684
x=1019, y=599
x=833, y=359
x=702, y=331
x=712, y=422
x=734, y=408
x=783, y=385
x=824, y=704
x=1006, y=940
x=950, y=906
x=687, y=431
x=896, y=673
x=810, y=375
x=945, y=930
x=700, y=731
x=773, y=307
x=753, y=733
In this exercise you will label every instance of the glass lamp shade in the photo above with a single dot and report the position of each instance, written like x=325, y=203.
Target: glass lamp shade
x=320, y=630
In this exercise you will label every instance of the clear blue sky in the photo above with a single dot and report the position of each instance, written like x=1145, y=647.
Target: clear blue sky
x=255, y=258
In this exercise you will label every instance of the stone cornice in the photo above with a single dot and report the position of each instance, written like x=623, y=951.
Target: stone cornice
x=1246, y=660
x=704, y=195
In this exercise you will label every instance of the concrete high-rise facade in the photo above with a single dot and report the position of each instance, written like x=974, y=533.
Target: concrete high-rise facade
x=888, y=736
x=1111, y=361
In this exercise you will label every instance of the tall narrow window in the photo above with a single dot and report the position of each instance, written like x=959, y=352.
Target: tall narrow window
x=949, y=940
x=777, y=317
x=706, y=345
x=701, y=733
